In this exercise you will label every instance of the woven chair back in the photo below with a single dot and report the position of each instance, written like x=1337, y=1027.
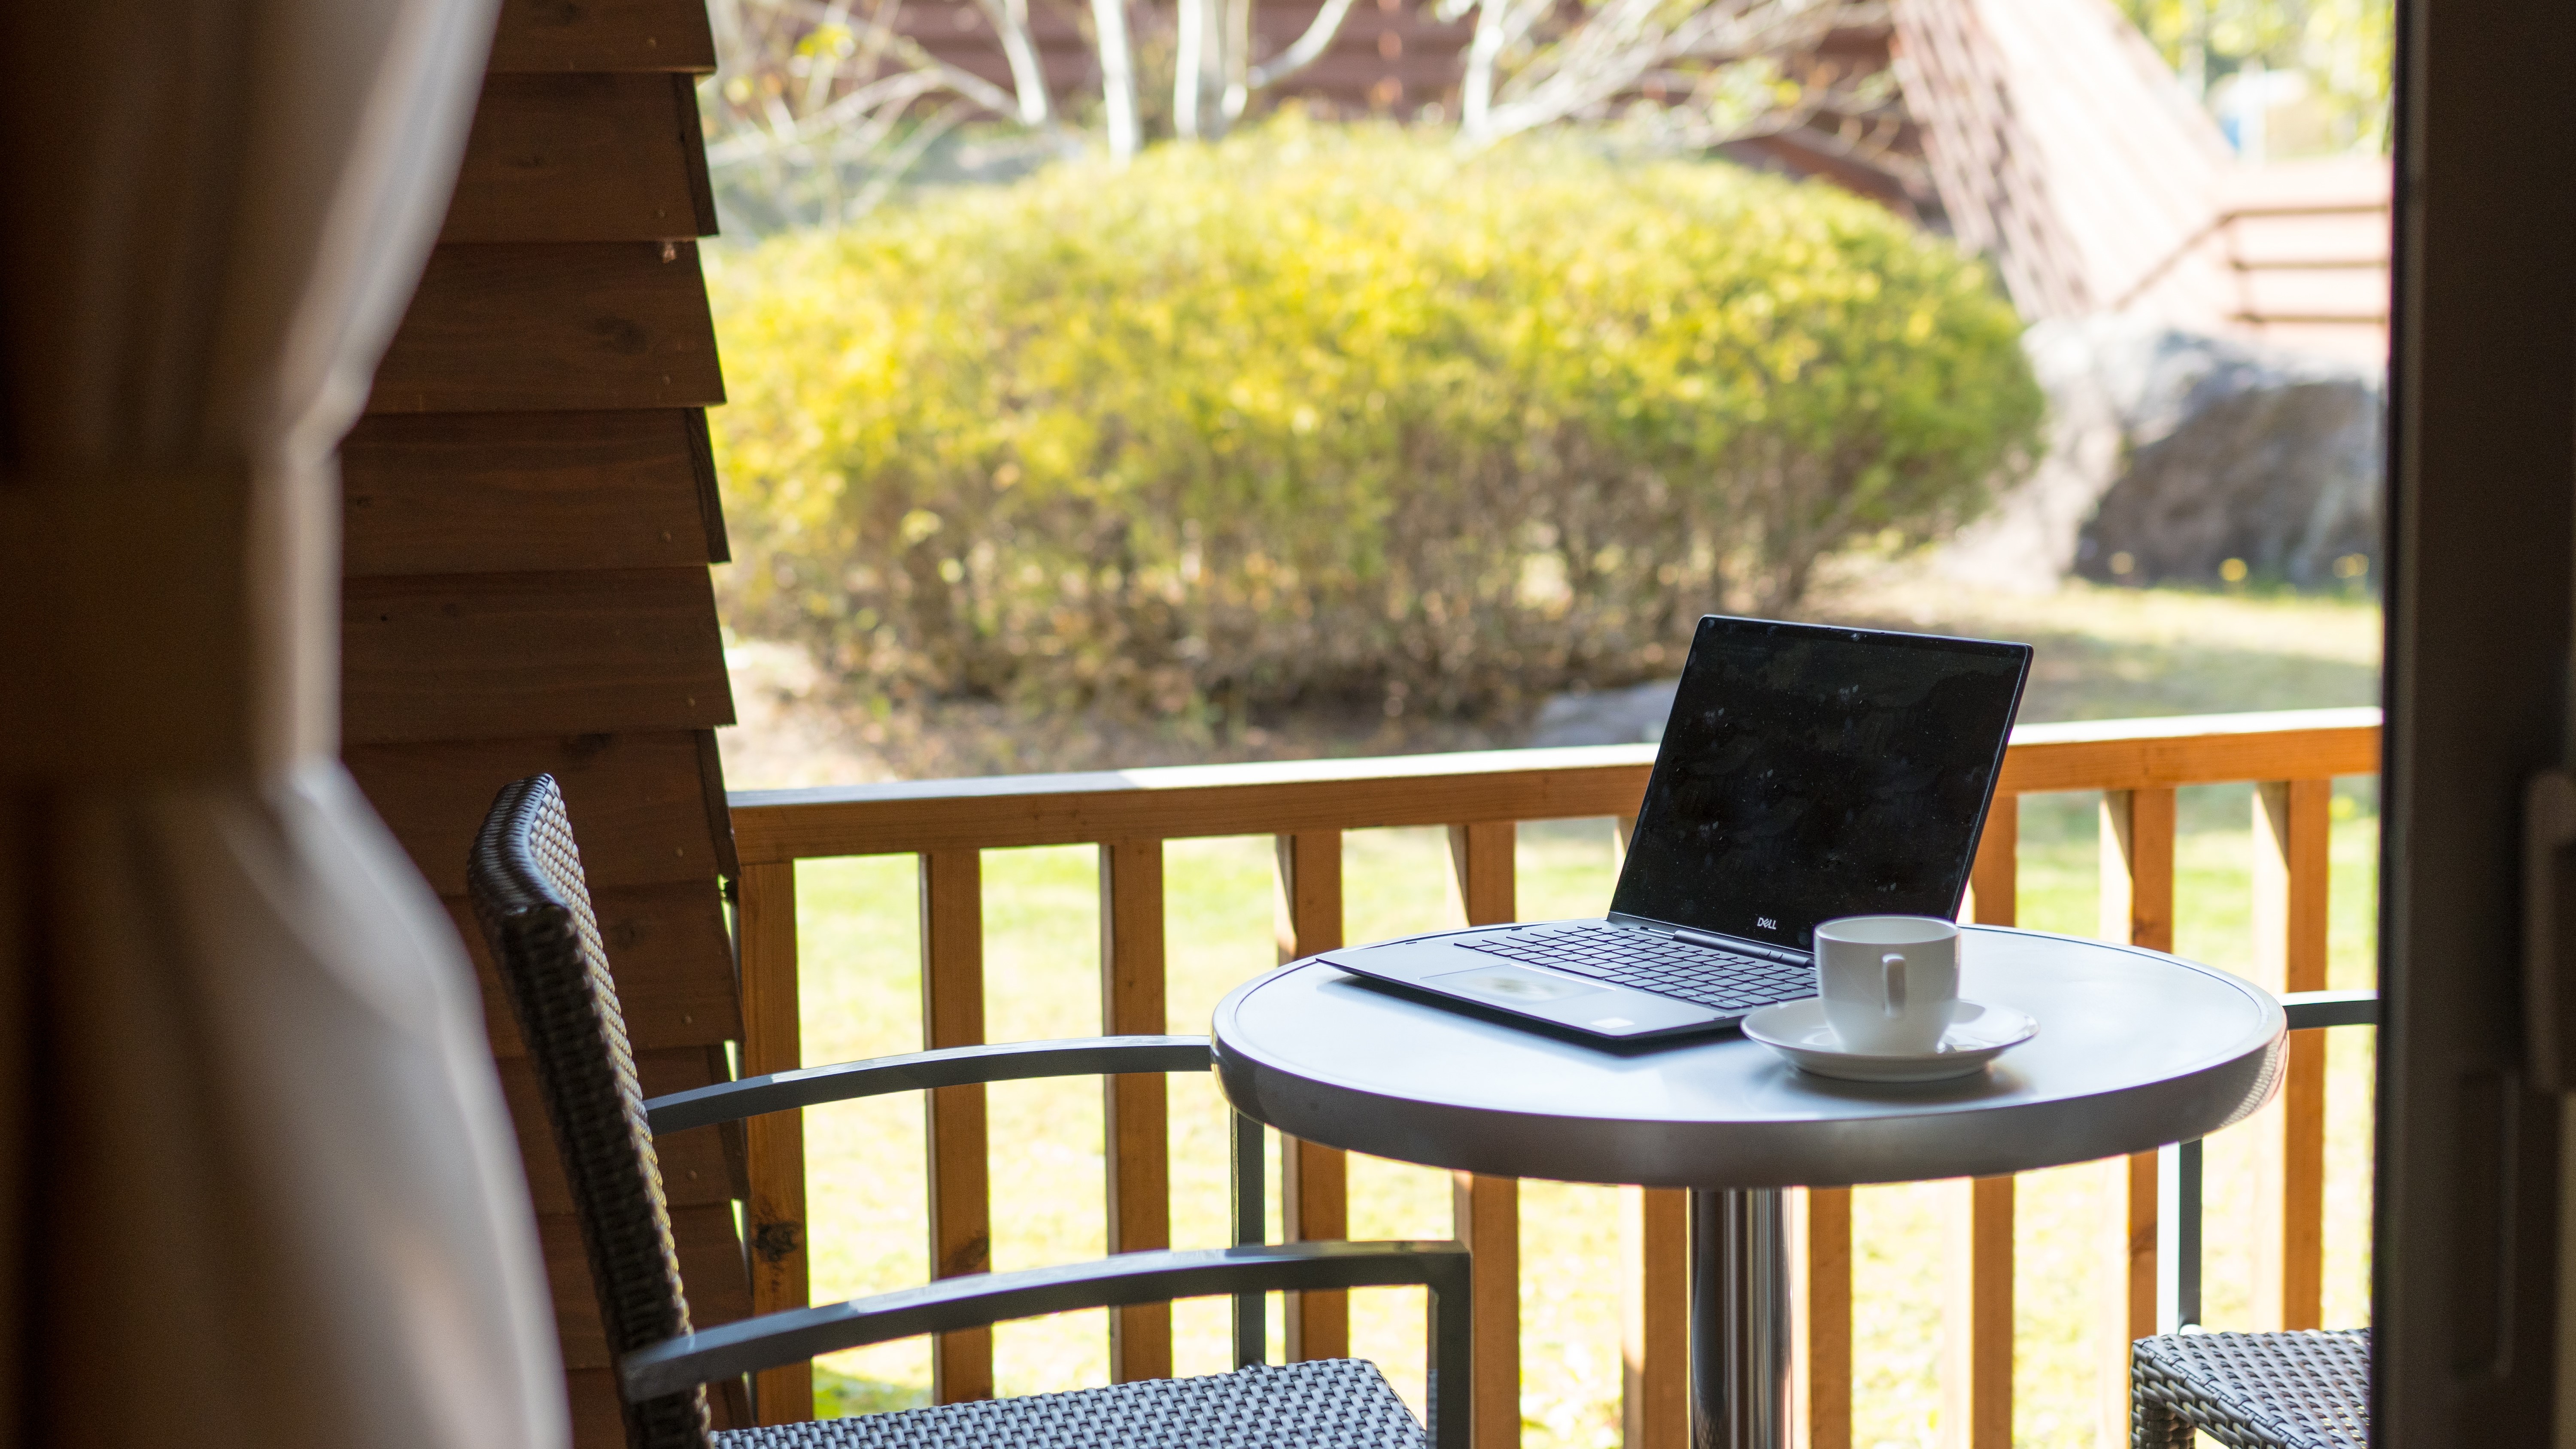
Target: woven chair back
x=534, y=908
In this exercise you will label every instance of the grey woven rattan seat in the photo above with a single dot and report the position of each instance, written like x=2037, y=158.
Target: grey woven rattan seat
x=2305, y=1390
x=533, y=905
x=1325, y=1404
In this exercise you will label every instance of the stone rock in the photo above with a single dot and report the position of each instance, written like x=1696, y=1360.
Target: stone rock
x=1634, y=715
x=2172, y=452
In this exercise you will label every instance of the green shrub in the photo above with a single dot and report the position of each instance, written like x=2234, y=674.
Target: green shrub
x=1330, y=413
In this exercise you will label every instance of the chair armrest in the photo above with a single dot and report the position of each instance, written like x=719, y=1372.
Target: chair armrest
x=978, y=1299
x=950, y=1067
x=2311, y=1009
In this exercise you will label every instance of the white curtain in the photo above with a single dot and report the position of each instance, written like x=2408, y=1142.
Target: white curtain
x=265, y=1186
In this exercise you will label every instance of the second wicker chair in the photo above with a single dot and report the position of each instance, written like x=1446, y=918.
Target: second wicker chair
x=2305, y=1390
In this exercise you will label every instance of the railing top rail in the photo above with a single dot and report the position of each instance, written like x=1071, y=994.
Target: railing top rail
x=2141, y=754
x=1192, y=777
x=2196, y=726
x=1179, y=801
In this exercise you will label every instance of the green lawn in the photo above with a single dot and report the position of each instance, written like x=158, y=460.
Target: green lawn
x=859, y=920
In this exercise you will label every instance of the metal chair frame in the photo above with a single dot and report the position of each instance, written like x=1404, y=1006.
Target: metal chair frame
x=2169, y=1398
x=1246, y=1271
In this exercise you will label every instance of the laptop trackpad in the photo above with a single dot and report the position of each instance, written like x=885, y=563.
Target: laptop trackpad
x=1510, y=985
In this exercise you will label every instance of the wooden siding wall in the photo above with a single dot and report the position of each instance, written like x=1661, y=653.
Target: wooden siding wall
x=530, y=512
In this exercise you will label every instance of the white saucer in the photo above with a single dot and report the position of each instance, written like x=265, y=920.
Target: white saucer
x=1977, y=1035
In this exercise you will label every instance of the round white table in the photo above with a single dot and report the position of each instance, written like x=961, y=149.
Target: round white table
x=2136, y=1049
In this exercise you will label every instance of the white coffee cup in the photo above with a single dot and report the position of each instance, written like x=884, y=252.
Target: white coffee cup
x=1889, y=982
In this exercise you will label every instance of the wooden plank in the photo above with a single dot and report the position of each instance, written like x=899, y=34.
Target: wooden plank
x=2143, y=760
x=2356, y=238
x=641, y=35
x=1487, y=1210
x=711, y=799
x=598, y=1412
x=636, y=800
x=695, y=1167
x=667, y=948
x=1825, y=1308
x=2291, y=869
x=2130, y=1307
x=472, y=493
x=1977, y=1359
x=952, y=1014
x=553, y=326
x=1481, y=868
x=2138, y=867
x=702, y=462
x=1314, y=1180
x=1135, y=1106
x=2137, y=874
x=1977, y=1317
x=457, y=657
x=581, y=157
x=1654, y=1340
x=1180, y=802
x=1994, y=876
x=773, y=1041
x=710, y=1275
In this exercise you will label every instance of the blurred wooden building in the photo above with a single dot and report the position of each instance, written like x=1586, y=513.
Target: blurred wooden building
x=2065, y=150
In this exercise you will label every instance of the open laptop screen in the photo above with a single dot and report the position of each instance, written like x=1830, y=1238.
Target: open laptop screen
x=1811, y=772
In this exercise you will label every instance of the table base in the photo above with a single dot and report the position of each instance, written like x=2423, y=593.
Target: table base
x=1740, y=1335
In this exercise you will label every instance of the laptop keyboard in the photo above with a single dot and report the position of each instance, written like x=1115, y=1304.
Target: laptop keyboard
x=1701, y=975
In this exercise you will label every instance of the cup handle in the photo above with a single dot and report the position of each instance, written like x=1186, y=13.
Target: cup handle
x=1894, y=964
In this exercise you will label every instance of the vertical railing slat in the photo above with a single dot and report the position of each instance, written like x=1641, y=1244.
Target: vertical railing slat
x=1977, y=1389
x=774, y=1143
x=1135, y=1106
x=952, y=1015
x=1826, y=1310
x=1654, y=1394
x=1977, y=1351
x=1314, y=1179
x=2138, y=867
x=2291, y=864
x=1994, y=876
x=1487, y=1210
x=2137, y=873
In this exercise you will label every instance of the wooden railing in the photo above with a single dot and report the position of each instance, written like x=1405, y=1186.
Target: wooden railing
x=1306, y=806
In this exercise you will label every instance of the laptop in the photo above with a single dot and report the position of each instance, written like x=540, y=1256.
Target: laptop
x=1807, y=772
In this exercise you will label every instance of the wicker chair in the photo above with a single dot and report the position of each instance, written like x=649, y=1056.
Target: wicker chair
x=531, y=901
x=2252, y=1390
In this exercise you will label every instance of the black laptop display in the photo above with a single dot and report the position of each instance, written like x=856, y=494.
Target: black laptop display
x=1807, y=772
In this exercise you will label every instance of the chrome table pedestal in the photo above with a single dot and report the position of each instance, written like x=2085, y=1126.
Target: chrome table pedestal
x=1740, y=1340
